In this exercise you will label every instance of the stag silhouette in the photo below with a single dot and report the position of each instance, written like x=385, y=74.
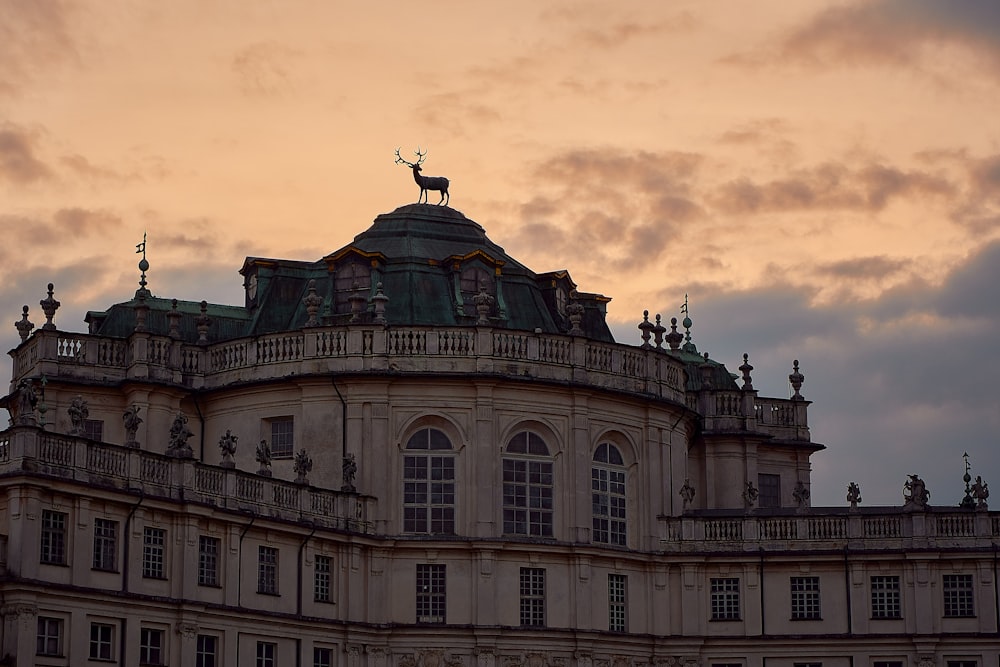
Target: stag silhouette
x=436, y=183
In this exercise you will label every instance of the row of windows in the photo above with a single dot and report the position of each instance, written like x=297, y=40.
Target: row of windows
x=886, y=602
x=154, y=541
x=528, y=489
x=51, y=635
x=875, y=663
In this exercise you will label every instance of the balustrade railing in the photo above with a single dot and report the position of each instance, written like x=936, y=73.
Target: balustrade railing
x=30, y=450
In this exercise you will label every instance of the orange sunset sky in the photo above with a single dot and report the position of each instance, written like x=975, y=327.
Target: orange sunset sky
x=821, y=178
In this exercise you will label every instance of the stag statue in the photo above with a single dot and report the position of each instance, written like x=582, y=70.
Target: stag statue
x=436, y=183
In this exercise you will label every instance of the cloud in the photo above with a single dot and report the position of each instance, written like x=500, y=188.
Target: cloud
x=33, y=34
x=618, y=34
x=19, y=163
x=896, y=32
x=828, y=186
x=870, y=268
x=264, y=69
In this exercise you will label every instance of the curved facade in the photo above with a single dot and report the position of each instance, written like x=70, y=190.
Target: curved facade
x=462, y=468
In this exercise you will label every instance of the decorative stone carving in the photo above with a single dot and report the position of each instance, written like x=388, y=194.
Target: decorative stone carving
x=406, y=660
x=431, y=657
x=227, y=446
x=350, y=469
x=379, y=301
x=687, y=493
x=174, y=321
x=186, y=630
x=915, y=495
x=179, y=433
x=980, y=491
x=925, y=661
x=312, y=302
x=49, y=306
x=574, y=312
x=674, y=338
x=264, y=459
x=202, y=323
x=454, y=661
x=77, y=411
x=646, y=327
x=536, y=659
x=357, y=300
x=484, y=304
x=854, y=495
x=131, y=420
x=745, y=369
x=302, y=465
x=24, y=325
x=796, y=379
x=750, y=495
x=801, y=494
x=27, y=399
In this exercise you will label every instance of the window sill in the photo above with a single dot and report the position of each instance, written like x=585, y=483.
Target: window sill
x=887, y=618
x=101, y=569
x=725, y=620
x=210, y=585
x=149, y=576
x=806, y=618
x=959, y=616
x=53, y=563
x=274, y=594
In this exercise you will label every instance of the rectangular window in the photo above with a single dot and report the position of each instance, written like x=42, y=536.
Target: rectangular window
x=93, y=429
x=805, y=598
x=322, y=657
x=725, y=599
x=533, y=597
x=527, y=497
x=429, y=494
x=886, y=597
x=53, y=547
x=207, y=651
x=150, y=646
x=153, y=542
x=617, y=584
x=208, y=561
x=105, y=545
x=430, y=594
x=102, y=637
x=322, y=590
x=282, y=436
x=770, y=490
x=266, y=652
x=958, y=595
x=267, y=570
x=49, y=638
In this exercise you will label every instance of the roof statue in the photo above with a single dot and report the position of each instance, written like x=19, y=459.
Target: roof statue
x=436, y=183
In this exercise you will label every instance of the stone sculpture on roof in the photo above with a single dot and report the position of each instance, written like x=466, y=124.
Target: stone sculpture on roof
x=436, y=183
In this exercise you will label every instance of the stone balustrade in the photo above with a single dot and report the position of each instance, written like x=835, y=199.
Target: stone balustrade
x=831, y=528
x=115, y=467
x=359, y=349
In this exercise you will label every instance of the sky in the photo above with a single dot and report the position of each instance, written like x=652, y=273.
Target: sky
x=821, y=179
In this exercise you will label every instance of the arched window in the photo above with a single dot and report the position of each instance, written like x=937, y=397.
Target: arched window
x=607, y=483
x=429, y=483
x=527, y=486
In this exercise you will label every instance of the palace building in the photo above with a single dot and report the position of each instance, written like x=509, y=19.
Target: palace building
x=418, y=452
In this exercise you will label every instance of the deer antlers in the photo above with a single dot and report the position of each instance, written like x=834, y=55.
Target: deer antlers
x=420, y=158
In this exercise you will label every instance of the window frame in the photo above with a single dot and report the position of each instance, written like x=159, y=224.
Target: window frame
x=152, y=646
x=154, y=553
x=958, y=596
x=431, y=594
x=99, y=643
x=93, y=429
x=323, y=578
x=49, y=636
x=52, y=548
x=609, y=496
x=206, y=650
x=886, y=597
x=208, y=560
x=105, y=545
x=617, y=602
x=267, y=654
x=532, y=597
x=267, y=570
x=429, y=483
x=725, y=599
x=281, y=435
x=528, y=504
x=322, y=656
x=769, y=494
x=805, y=598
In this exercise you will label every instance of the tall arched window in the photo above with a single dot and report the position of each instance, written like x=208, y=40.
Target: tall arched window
x=429, y=483
x=607, y=483
x=527, y=486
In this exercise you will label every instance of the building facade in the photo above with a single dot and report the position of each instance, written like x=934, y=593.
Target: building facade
x=417, y=452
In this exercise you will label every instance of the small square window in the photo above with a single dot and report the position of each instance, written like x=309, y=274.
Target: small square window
x=93, y=429
x=102, y=641
x=151, y=646
x=282, y=436
x=49, y=637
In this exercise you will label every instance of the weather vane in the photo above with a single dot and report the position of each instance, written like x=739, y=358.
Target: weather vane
x=143, y=266
x=436, y=183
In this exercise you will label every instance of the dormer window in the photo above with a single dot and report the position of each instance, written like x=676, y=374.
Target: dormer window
x=352, y=277
x=473, y=278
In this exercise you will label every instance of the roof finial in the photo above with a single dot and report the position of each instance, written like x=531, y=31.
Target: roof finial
x=143, y=267
x=686, y=323
x=967, y=501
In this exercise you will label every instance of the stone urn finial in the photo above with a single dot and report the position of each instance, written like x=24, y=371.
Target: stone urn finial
x=203, y=322
x=574, y=313
x=312, y=302
x=745, y=368
x=24, y=325
x=49, y=306
x=796, y=379
x=174, y=321
x=646, y=327
x=379, y=300
x=658, y=331
x=484, y=304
